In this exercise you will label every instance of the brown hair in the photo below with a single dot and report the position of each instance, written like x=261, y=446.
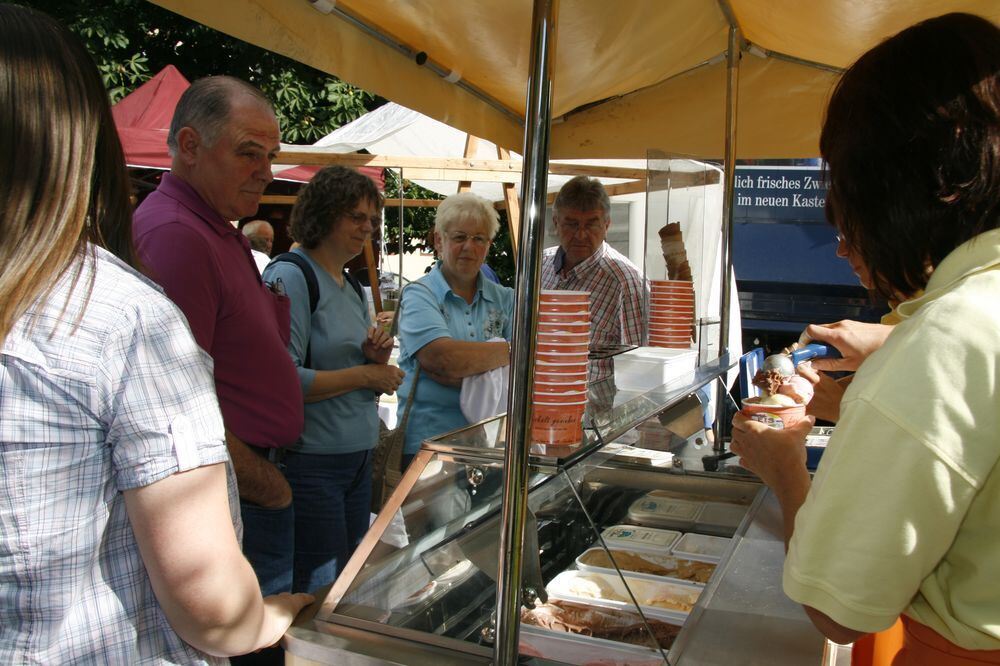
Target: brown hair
x=332, y=192
x=63, y=182
x=912, y=144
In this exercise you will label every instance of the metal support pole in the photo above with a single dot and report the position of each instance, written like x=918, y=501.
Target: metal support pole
x=728, y=199
x=534, y=179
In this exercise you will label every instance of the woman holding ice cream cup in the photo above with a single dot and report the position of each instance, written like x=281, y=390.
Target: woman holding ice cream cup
x=900, y=522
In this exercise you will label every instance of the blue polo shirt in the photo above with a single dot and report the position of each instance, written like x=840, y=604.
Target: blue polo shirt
x=429, y=310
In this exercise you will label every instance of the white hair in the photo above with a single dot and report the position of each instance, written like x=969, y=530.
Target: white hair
x=466, y=205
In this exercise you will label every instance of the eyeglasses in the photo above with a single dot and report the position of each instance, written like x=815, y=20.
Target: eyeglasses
x=460, y=238
x=360, y=218
x=590, y=227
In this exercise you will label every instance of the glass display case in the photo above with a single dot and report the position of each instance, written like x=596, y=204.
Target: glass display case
x=625, y=535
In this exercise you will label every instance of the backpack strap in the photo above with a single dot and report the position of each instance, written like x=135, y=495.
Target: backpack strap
x=353, y=281
x=312, y=284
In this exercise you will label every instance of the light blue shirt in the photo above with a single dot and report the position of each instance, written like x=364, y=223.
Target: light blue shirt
x=333, y=334
x=434, y=311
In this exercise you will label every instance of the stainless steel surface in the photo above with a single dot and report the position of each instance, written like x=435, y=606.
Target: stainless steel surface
x=728, y=199
x=744, y=616
x=534, y=180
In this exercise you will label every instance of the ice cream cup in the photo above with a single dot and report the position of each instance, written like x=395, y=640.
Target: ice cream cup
x=559, y=296
x=671, y=344
x=560, y=424
x=574, y=392
x=564, y=327
x=774, y=416
x=668, y=292
x=563, y=347
x=560, y=318
x=580, y=309
x=670, y=318
x=673, y=327
x=562, y=368
x=671, y=284
x=560, y=377
x=564, y=338
x=560, y=357
x=678, y=299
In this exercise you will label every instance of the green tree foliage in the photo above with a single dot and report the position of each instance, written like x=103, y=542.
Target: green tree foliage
x=131, y=40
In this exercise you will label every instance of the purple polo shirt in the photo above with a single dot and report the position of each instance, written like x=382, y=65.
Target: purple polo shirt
x=204, y=264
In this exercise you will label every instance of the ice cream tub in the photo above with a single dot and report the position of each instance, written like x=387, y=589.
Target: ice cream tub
x=720, y=517
x=557, y=423
x=566, y=648
x=582, y=347
x=560, y=296
x=662, y=567
x=640, y=539
x=703, y=547
x=664, y=600
x=778, y=417
x=664, y=512
x=562, y=357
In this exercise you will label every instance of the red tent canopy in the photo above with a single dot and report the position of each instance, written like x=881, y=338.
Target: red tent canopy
x=143, y=120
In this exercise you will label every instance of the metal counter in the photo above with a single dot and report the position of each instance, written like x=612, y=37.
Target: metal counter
x=744, y=612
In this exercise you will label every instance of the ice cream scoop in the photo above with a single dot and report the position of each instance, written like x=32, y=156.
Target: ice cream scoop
x=785, y=363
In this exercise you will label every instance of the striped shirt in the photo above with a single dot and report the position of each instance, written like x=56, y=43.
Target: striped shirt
x=618, y=297
x=108, y=395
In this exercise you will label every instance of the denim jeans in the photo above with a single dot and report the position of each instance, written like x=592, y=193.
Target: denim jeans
x=268, y=542
x=332, y=499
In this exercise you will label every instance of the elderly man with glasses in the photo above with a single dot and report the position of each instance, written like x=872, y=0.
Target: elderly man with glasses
x=583, y=261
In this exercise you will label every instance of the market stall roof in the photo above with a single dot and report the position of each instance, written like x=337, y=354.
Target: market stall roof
x=143, y=120
x=628, y=76
x=394, y=130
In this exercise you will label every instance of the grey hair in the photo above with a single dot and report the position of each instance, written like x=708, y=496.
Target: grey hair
x=465, y=205
x=583, y=194
x=205, y=107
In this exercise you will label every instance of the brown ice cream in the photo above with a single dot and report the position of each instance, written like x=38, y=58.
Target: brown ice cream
x=627, y=560
x=598, y=622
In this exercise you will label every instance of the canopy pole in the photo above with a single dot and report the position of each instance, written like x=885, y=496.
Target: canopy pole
x=728, y=199
x=534, y=179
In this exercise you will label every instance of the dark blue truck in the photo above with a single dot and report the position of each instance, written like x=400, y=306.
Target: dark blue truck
x=784, y=256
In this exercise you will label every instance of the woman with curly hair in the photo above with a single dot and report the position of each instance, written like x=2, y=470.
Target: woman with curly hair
x=342, y=362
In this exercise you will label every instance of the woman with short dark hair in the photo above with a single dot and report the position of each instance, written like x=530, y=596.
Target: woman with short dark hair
x=342, y=362
x=902, y=520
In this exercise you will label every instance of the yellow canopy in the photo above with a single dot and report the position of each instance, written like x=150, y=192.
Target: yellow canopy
x=629, y=75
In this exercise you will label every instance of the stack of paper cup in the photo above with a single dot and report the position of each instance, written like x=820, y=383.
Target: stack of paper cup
x=671, y=313
x=559, y=395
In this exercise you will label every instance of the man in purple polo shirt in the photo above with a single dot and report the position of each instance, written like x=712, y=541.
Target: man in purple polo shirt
x=222, y=138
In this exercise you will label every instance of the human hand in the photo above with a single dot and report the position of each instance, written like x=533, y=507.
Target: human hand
x=279, y=613
x=778, y=457
x=854, y=340
x=384, y=319
x=827, y=393
x=377, y=347
x=383, y=378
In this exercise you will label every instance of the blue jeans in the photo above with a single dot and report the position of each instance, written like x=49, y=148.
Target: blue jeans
x=332, y=499
x=268, y=542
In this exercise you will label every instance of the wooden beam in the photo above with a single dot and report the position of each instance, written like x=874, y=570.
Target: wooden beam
x=513, y=204
x=457, y=163
x=288, y=200
x=471, y=144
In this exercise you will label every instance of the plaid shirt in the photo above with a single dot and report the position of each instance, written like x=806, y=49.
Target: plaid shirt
x=618, y=297
x=108, y=395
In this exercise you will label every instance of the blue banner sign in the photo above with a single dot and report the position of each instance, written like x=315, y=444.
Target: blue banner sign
x=779, y=194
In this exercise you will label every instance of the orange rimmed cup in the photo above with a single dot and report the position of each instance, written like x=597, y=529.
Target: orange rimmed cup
x=562, y=347
x=563, y=318
x=557, y=357
x=557, y=307
x=773, y=416
x=564, y=327
x=565, y=378
x=560, y=296
x=557, y=424
x=560, y=337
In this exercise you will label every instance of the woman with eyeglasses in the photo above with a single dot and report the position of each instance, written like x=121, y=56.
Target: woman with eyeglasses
x=900, y=527
x=448, y=319
x=342, y=360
